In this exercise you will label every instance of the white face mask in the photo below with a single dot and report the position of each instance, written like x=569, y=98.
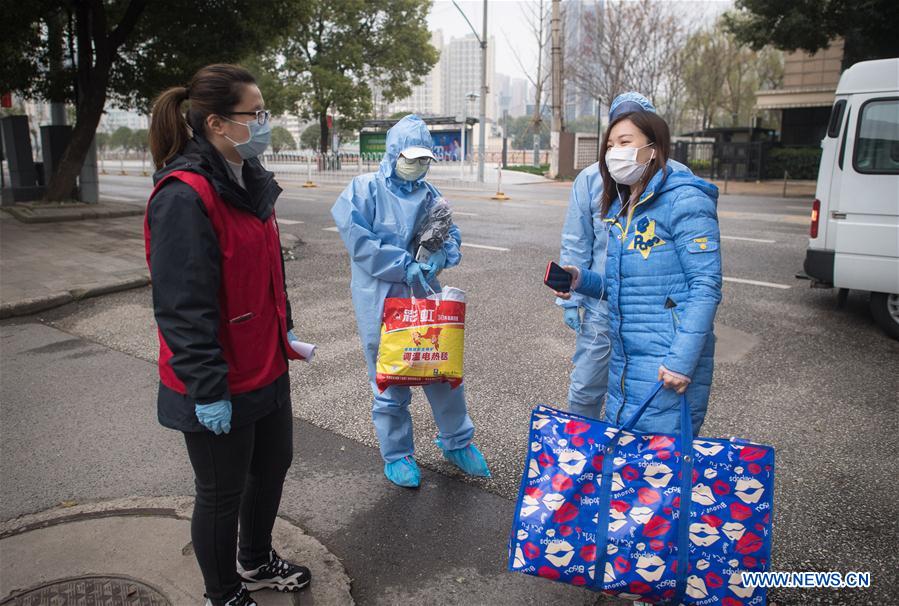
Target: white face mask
x=410, y=170
x=623, y=165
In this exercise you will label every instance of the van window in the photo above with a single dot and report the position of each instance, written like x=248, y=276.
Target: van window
x=877, y=137
x=845, y=136
x=836, y=118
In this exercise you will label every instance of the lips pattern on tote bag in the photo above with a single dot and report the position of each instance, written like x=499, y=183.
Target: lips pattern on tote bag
x=557, y=535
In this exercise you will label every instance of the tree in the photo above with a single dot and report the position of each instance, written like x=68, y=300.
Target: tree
x=122, y=138
x=868, y=27
x=281, y=139
x=335, y=48
x=87, y=51
x=584, y=124
x=537, y=17
x=521, y=132
x=140, y=140
x=722, y=76
x=706, y=73
x=102, y=140
x=747, y=72
x=311, y=137
x=633, y=46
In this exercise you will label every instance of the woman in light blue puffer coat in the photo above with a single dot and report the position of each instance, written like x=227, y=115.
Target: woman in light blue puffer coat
x=662, y=274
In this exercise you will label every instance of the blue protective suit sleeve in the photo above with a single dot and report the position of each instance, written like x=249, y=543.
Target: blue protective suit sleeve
x=353, y=214
x=592, y=284
x=452, y=247
x=697, y=241
x=577, y=233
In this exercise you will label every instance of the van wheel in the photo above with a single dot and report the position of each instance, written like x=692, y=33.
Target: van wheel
x=885, y=309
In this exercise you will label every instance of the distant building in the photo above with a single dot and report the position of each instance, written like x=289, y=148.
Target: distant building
x=518, y=93
x=425, y=99
x=462, y=75
x=502, y=94
x=576, y=104
x=808, y=91
x=115, y=118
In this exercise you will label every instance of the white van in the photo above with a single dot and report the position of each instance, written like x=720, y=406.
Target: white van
x=854, y=235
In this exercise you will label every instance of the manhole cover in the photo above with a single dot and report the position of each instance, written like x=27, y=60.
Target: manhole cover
x=89, y=591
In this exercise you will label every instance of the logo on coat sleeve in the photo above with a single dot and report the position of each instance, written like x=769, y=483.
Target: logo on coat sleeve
x=645, y=237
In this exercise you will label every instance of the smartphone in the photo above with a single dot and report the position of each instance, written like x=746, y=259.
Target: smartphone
x=557, y=278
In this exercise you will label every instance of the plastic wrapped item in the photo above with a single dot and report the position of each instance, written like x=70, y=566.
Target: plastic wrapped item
x=435, y=230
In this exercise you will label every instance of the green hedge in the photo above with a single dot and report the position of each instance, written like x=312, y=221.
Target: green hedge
x=700, y=164
x=799, y=162
x=528, y=168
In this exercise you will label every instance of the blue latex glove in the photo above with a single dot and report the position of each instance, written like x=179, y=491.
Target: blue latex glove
x=215, y=417
x=437, y=261
x=417, y=271
x=573, y=318
x=291, y=337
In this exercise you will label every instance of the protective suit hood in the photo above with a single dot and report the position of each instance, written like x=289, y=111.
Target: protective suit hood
x=681, y=176
x=411, y=131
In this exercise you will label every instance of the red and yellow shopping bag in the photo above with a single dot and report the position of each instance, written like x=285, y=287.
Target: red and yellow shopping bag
x=422, y=340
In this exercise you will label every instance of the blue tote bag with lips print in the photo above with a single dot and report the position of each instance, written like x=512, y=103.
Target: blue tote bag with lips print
x=603, y=507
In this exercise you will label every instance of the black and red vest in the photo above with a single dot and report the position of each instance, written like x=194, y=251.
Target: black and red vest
x=252, y=302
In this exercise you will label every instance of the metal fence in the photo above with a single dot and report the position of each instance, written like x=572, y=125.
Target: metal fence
x=699, y=156
x=756, y=160
x=313, y=168
x=747, y=161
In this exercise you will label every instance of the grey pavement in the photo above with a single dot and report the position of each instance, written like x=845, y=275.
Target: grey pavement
x=818, y=383
x=143, y=540
x=79, y=428
x=46, y=264
x=61, y=258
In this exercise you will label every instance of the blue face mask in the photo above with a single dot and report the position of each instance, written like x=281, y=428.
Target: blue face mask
x=260, y=137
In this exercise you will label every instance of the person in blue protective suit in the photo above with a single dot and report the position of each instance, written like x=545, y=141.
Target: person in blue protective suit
x=584, y=238
x=584, y=245
x=378, y=216
x=662, y=273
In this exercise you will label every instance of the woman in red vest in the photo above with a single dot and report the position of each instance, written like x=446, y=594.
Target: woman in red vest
x=225, y=329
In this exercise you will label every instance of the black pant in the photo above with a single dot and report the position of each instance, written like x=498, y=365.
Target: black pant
x=238, y=475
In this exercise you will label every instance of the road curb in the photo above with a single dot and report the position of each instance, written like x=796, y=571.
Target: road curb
x=60, y=212
x=330, y=585
x=34, y=305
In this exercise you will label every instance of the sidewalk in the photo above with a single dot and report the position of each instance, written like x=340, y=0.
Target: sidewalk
x=81, y=447
x=79, y=427
x=137, y=551
x=768, y=189
x=44, y=265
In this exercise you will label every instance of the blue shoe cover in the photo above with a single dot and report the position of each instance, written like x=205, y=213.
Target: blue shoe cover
x=403, y=472
x=468, y=459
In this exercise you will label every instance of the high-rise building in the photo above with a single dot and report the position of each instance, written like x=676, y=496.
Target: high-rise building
x=518, y=101
x=114, y=118
x=425, y=99
x=576, y=16
x=462, y=75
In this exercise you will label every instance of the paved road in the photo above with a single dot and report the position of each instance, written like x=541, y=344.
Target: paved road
x=820, y=384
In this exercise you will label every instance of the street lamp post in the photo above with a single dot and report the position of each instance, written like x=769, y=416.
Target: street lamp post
x=468, y=97
x=482, y=126
x=462, y=155
x=482, y=41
